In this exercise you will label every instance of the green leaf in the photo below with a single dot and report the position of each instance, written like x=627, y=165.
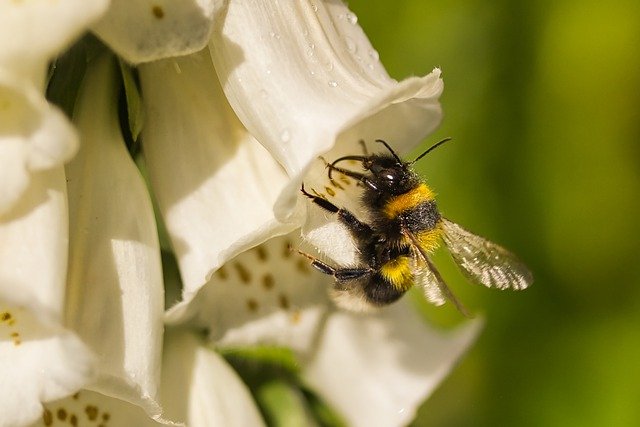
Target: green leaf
x=283, y=405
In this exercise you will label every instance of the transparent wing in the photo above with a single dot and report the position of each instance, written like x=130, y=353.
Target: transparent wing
x=426, y=275
x=484, y=262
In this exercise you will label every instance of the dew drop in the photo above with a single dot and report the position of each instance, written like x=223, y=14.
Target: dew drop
x=314, y=7
x=352, y=18
x=351, y=45
x=333, y=83
x=373, y=54
x=285, y=136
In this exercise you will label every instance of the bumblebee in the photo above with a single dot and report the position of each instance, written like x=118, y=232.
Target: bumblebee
x=403, y=230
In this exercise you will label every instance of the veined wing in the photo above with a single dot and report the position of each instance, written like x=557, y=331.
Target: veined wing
x=484, y=262
x=426, y=275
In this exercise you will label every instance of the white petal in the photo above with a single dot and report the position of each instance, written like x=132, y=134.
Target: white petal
x=266, y=296
x=201, y=389
x=39, y=360
x=115, y=300
x=146, y=30
x=33, y=136
x=32, y=32
x=215, y=184
x=88, y=408
x=303, y=78
x=33, y=245
x=391, y=362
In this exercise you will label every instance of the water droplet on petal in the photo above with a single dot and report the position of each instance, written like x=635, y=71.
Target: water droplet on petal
x=352, y=18
x=285, y=136
x=373, y=54
x=351, y=45
x=333, y=83
x=314, y=7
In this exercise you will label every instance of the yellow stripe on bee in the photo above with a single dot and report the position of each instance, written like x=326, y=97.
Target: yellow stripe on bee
x=429, y=240
x=398, y=273
x=408, y=200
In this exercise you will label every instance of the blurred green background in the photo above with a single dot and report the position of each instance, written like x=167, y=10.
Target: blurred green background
x=543, y=102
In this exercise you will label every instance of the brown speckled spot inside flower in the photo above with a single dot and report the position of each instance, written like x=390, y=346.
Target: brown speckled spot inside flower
x=330, y=191
x=47, y=417
x=5, y=316
x=73, y=420
x=106, y=416
x=15, y=336
x=92, y=412
x=283, y=301
x=61, y=414
x=243, y=273
x=261, y=253
x=335, y=184
x=222, y=273
x=296, y=316
x=252, y=305
x=302, y=266
x=268, y=281
x=286, y=253
x=158, y=12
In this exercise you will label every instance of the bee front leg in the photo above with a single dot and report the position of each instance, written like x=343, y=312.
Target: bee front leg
x=359, y=229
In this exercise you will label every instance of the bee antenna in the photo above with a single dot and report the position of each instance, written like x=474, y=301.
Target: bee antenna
x=390, y=149
x=433, y=147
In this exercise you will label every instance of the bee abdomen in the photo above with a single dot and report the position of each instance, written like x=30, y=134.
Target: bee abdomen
x=380, y=292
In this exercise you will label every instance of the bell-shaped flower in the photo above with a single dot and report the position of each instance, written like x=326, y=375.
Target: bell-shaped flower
x=230, y=135
x=115, y=289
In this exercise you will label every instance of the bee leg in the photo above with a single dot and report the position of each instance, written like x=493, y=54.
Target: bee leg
x=341, y=274
x=323, y=203
x=359, y=229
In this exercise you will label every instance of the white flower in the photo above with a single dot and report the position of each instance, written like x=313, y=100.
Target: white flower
x=114, y=285
x=231, y=134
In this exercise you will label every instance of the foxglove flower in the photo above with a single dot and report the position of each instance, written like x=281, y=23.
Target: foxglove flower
x=114, y=286
x=230, y=135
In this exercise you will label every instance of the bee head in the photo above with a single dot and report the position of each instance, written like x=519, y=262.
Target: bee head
x=389, y=174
